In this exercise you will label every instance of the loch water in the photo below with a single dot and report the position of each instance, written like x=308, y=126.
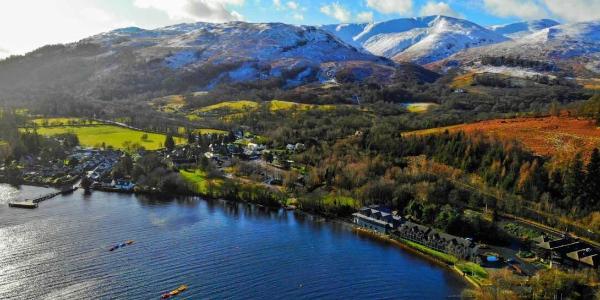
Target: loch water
x=221, y=250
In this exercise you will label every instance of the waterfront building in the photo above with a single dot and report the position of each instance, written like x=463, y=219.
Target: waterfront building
x=381, y=220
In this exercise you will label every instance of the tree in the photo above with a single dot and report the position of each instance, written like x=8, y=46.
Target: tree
x=169, y=142
x=592, y=181
x=573, y=182
x=144, y=137
x=191, y=137
x=554, y=109
x=267, y=156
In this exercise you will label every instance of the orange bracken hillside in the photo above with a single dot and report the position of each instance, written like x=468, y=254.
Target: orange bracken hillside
x=560, y=137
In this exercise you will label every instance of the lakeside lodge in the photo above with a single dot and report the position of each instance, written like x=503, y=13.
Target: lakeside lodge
x=381, y=220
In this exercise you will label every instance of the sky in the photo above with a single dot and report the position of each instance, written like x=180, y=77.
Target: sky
x=29, y=24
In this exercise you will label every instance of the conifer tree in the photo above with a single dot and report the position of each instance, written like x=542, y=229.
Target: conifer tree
x=592, y=183
x=169, y=142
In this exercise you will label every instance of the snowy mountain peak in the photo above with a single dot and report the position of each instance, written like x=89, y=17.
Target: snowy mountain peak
x=421, y=40
x=521, y=29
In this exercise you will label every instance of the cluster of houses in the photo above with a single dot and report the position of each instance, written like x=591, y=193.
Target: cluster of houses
x=58, y=171
x=381, y=220
x=566, y=251
x=96, y=163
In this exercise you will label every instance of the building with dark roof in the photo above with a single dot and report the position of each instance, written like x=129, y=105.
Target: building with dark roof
x=383, y=221
x=443, y=242
x=376, y=218
x=566, y=251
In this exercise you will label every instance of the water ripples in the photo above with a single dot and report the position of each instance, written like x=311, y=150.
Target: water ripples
x=221, y=250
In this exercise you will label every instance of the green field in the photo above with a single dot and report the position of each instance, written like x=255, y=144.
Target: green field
x=239, y=106
x=419, y=107
x=201, y=184
x=333, y=200
x=114, y=136
x=473, y=270
x=437, y=254
x=204, y=131
x=170, y=104
x=276, y=105
x=62, y=121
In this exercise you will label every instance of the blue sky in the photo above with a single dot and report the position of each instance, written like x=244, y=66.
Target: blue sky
x=28, y=24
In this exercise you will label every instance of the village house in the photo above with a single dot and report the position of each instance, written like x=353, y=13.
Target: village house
x=566, y=251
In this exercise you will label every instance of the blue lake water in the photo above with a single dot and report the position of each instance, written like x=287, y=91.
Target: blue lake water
x=220, y=250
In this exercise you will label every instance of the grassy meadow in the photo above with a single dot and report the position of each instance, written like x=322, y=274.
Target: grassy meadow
x=420, y=107
x=200, y=182
x=62, y=122
x=113, y=136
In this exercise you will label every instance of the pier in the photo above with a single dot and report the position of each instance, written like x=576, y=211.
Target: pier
x=33, y=203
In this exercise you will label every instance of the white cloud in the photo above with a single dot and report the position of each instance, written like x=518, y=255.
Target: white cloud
x=293, y=5
x=297, y=16
x=4, y=52
x=575, y=10
x=365, y=17
x=194, y=10
x=401, y=7
x=277, y=3
x=29, y=24
x=439, y=8
x=337, y=11
x=525, y=9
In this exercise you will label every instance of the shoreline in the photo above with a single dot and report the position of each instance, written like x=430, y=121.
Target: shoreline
x=414, y=251
x=337, y=220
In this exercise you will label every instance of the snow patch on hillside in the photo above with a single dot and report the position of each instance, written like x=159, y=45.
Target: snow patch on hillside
x=181, y=59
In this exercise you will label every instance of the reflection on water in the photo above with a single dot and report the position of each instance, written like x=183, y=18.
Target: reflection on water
x=220, y=249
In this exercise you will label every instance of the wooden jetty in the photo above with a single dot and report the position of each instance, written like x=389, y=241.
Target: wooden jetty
x=33, y=203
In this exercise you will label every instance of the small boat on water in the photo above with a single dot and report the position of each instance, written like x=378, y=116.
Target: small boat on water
x=121, y=245
x=175, y=292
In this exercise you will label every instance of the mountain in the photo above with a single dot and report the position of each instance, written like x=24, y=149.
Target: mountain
x=190, y=57
x=570, y=49
x=521, y=29
x=421, y=40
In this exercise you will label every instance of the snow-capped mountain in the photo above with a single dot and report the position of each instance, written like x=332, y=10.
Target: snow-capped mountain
x=571, y=47
x=194, y=56
x=421, y=40
x=521, y=29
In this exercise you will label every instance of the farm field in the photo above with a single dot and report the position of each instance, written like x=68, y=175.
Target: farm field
x=419, y=107
x=236, y=106
x=62, y=121
x=558, y=137
x=203, y=131
x=237, y=109
x=171, y=103
x=276, y=105
x=115, y=136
